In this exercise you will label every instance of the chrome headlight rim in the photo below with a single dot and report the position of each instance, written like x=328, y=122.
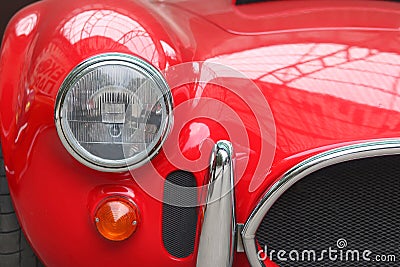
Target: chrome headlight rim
x=89, y=65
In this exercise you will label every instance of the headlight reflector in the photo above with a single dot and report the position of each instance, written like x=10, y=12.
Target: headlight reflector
x=113, y=112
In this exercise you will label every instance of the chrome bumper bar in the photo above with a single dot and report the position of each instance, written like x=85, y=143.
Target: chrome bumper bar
x=217, y=239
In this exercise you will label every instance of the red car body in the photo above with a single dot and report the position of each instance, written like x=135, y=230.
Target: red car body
x=329, y=71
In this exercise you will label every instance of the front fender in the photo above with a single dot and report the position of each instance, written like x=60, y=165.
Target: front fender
x=53, y=194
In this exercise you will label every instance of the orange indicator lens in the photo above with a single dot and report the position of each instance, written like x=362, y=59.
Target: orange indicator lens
x=116, y=219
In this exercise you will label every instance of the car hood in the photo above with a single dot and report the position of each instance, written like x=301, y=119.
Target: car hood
x=329, y=70
x=275, y=16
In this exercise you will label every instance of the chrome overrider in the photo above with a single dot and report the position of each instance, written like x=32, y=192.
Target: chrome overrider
x=219, y=225
x=301, y=170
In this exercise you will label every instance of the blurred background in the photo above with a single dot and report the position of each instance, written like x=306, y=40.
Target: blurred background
x=8, y=8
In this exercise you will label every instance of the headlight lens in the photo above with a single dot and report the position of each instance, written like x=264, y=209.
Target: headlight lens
x=113, y=112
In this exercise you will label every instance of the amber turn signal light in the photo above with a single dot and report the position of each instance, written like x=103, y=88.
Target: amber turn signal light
x=116, y=218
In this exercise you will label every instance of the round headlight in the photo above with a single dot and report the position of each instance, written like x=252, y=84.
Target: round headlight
x=113, y=112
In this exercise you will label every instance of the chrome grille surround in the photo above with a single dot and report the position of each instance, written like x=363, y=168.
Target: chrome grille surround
x=301, y=170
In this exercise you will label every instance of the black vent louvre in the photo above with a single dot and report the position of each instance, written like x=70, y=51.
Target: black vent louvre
x=358, y=201
x=180, y=219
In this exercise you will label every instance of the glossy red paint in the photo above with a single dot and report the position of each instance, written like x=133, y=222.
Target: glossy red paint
x=329, y=71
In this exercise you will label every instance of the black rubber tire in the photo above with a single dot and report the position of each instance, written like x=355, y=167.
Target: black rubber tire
x=14, y=249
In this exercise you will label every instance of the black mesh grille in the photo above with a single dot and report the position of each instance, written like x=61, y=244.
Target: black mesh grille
x=358, y=201
x=180, y=221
